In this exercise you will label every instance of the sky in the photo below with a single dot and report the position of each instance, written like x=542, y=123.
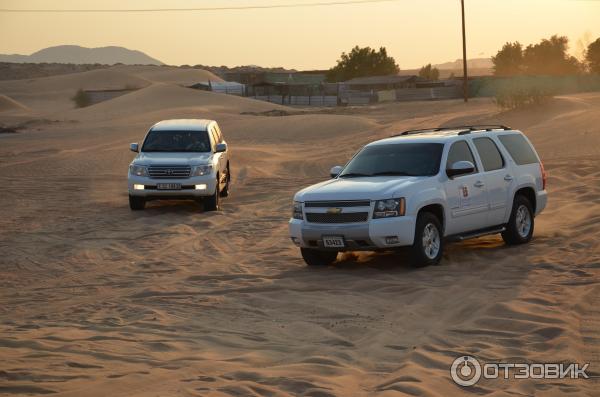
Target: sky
x=415, y=32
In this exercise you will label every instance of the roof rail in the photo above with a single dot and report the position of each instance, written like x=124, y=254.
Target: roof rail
x=466, y=129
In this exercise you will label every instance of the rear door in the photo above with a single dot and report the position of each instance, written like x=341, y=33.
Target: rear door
x=498, y=180
x=466, y=194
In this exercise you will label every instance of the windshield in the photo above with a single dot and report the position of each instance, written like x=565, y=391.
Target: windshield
x=402, y=159
x=177, y=141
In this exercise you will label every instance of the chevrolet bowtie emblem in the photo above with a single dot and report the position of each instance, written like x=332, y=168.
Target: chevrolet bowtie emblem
x=334, y=210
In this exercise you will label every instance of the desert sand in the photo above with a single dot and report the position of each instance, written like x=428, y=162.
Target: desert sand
x=96, y=300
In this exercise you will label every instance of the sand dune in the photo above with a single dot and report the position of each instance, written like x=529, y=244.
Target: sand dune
x=97, y=300
x=167, y=74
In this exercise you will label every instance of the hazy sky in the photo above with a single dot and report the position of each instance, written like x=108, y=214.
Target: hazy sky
x=414, y=32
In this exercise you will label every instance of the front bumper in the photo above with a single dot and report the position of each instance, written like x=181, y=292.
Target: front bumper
x=188, y=185
x=375, y=234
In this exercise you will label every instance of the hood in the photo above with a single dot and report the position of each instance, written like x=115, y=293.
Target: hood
x=369, y=188
x=166, y=158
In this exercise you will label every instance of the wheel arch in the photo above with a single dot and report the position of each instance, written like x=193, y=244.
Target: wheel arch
x=529, y=193
x=436, y=209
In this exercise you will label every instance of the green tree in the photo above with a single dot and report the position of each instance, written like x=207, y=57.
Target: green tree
x=592, y=56
x=549, y=57
x=509, y=60
x=362, y=62
x=429, y=72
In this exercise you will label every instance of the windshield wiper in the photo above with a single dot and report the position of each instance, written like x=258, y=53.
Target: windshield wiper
x=393, y=173
x=353, y=175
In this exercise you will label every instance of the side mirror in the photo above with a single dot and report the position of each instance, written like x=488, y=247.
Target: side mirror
x=221, y=147
x=335, y=171
x=134, y=147
x=460, y=168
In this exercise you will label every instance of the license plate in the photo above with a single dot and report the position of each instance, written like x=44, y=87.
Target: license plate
x=333, y=242
x=168, y=186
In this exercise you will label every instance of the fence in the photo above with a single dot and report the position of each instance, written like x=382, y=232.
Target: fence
x=300, y=100
x=555, y=85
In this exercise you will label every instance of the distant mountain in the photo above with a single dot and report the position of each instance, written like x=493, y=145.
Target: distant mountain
x=82, y=55
x=476, y=63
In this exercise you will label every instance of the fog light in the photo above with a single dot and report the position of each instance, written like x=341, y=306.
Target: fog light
x=201, y=186
x=391, y=240
x=296, y=241
x=138, y=187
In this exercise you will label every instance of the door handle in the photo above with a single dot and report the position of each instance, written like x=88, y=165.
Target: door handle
x=478, y=184
x=508, y=178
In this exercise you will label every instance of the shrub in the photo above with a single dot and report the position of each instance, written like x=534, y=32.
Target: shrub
x=518, y=97
x=81, y=99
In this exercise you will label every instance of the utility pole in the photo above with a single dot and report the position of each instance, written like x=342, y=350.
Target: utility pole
x=464, y=39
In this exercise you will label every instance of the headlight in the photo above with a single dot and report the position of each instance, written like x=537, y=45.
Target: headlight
x=201, y=170
x=138, y=170
x=389, y=208
x=297, y=212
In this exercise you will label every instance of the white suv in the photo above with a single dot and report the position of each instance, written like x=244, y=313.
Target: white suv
x=180, y=159
x=420, y=188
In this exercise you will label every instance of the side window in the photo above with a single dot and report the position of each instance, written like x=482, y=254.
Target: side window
x=460, y=151
x=520, y=150
x=489, y=153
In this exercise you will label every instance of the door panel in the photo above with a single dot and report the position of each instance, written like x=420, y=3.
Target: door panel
x=468, y=204
x=498, y=179
x=466, y=194
x=499, y=185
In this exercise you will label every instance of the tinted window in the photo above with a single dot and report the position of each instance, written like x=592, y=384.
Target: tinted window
x=460, y=151
x=489, y=153
x=519, y=148
x=412, y=159
x=177, y=141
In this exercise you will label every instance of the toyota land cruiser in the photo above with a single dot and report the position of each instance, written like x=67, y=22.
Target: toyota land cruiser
x=180, y=159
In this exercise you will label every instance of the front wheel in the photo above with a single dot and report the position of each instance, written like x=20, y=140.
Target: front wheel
x=314, y=257
x=137, y=203
x=428, y=245
x=519, y=229
x=211, y=203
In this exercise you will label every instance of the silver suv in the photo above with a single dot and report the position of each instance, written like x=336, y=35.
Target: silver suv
x=419, y=188
x=180, y=159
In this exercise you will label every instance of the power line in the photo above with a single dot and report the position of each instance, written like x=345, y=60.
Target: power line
x=224, y=8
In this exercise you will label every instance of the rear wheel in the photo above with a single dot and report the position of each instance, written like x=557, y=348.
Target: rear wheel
x=314, y=257
x=519, y=229
x=428, y=245
x=211, y=203
x=137, y=203
x=225, y=191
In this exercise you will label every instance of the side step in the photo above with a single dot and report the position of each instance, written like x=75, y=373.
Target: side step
x=477, y=233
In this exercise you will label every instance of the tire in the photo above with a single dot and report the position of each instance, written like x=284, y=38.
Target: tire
x=225, y=191
x=428, y=246
x=314, y=257
x=519, y=229
x=211, y=203
x=137, y=203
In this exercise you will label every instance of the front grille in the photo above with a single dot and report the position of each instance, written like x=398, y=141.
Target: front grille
x=169, y=171
x=348, y=203
x=348, y=217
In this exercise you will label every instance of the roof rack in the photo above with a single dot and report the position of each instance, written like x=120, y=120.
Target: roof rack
x=466, y=129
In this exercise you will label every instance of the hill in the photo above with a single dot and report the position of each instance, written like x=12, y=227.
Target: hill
x=82, y=55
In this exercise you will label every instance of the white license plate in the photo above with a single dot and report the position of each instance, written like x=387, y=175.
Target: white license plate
x=168, y=186
x=333, y=242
